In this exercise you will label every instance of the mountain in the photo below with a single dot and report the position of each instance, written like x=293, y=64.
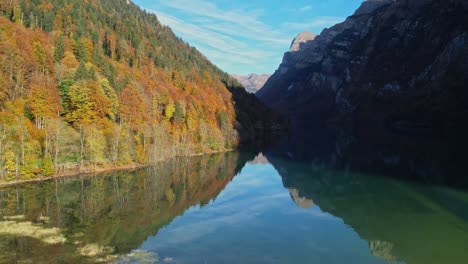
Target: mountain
x=103, y=83
x=397, y=63
x=252, y=82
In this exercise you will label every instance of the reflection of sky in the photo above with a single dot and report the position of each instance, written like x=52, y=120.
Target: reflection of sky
x=254, y=220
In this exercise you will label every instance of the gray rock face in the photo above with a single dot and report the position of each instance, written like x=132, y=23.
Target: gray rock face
x=300, y=42
x=252, y=82
x=391, y=60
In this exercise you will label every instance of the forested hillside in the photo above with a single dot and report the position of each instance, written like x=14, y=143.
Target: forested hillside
x=94, y=83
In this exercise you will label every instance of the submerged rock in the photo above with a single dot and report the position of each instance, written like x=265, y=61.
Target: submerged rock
x=140, y=256
x=93, y=250
x=28, y=229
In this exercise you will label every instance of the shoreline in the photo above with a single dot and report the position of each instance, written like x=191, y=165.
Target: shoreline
x=99, y=171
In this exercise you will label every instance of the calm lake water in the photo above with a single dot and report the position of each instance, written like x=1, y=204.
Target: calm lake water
x=230, y=208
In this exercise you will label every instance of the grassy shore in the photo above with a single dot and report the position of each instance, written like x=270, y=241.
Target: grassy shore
x=101, y=169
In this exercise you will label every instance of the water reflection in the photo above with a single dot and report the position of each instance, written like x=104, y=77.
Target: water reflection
x=438, y=159
x=100, y=218
x=234, y=208
x=407, y=222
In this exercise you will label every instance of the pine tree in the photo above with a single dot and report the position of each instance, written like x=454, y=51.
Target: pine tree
x=81, y=72
x=59, y=49
x=79, y=49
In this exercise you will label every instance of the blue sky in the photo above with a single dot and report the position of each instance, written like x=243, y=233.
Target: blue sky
x=247, y=36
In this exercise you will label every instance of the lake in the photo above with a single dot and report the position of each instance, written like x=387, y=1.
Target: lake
x=233, y=208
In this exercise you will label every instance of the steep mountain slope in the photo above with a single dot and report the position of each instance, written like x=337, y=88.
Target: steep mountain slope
x=102, y=82
x=252, y=82
x=399, y=63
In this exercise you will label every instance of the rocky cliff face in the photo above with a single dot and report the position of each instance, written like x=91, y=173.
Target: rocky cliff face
x=398, y=62
x=252, y=82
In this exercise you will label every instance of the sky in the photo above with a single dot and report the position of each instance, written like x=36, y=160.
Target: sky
x=247, y=36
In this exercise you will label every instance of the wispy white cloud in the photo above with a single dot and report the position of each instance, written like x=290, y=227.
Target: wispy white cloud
x=216, y=45
x=233, y=38
x=230, y=38
x=305, y=8
x=245, y=20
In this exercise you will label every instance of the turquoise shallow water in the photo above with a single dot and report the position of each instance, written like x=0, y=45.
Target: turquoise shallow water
x=220, y=209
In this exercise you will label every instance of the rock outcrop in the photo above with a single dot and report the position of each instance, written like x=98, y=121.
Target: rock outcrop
x=397, y=62
x=252, y=82
x=300, y=42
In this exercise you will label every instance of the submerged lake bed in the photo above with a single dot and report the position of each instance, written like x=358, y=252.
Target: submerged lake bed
x=233, y=208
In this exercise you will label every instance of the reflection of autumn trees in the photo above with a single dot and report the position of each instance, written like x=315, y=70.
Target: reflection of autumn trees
x=81, y=84
x=119, y=210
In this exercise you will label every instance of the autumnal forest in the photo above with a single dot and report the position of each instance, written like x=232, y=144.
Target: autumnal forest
x=98, y=83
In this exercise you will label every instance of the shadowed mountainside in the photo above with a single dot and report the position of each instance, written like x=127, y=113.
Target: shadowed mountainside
x=394, y=63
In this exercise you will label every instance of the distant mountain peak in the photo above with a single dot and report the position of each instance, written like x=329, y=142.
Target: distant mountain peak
x=252, y=82
x=301, y=39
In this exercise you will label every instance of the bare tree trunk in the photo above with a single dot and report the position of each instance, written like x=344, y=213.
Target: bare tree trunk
x=47, y=138
x=22, y=140
x=117, y=144
x=93, y=149
x=57, y=144
x=82, y=139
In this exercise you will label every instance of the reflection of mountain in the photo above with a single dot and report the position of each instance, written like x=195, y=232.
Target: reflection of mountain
x=436, y=159
x=113, y=214
x=417, y=224
x=302, y=202
x=259, y=159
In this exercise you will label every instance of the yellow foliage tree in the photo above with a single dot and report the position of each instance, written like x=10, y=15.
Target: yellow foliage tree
x=81, y=106
x=10, y=165
x=28, y=168
x=191, y=119
x=169, y=110
x=48, y=168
